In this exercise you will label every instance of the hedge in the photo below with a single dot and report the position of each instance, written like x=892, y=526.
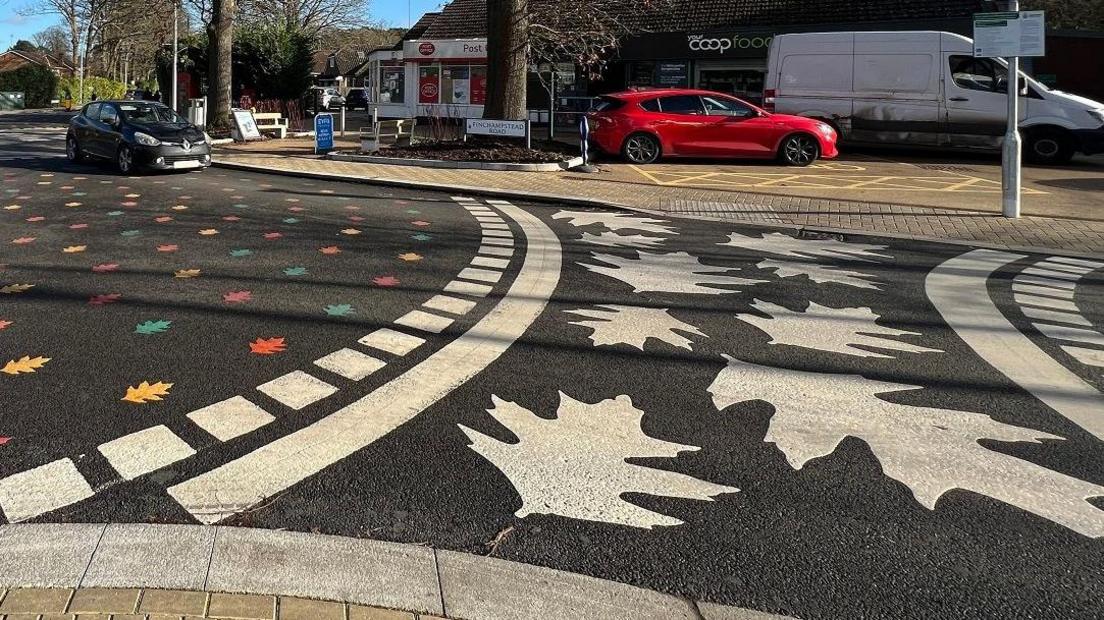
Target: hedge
x=37, y=84
x=103, y=87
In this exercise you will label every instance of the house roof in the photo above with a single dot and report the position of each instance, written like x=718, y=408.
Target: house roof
x=41, y=58
x=468, y=18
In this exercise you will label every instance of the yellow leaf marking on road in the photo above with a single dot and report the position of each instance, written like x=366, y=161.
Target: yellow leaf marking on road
x=410, y=257
x=187, y=273
x=11, y=289
x=25, y=364
x=146, y=392
x=74, y=249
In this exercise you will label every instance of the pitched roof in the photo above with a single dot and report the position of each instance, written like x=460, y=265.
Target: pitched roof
x=42, y=58
x=468, y=18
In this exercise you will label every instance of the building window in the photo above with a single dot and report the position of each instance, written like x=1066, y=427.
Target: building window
x=455, y=84
x=478, y=84
x=429, y=84
x=642, y=74
x=392, y=84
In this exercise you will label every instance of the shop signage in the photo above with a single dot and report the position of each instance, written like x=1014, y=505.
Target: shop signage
x=323, y=133
x=244, y=126
x=447, y=49
x=487, y=127
x=1005, y=35
x=720, y=45
x=673, y=74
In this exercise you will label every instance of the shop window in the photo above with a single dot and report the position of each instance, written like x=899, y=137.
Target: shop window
x=478, y=84
x=392, y=84
x=429, y=84
x=642, y=74
x=681, y=104
x=455, y=85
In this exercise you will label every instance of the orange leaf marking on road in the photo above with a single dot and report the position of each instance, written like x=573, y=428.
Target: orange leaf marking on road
x=4, y=324
x=146, y=392
x=12, y=289
x=187, y=273
x=25, y=364
x=267, y=346
x=410, y=257
x=208, y=231
x=330, y=249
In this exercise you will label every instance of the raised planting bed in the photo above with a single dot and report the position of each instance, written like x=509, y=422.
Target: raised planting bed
x=475, y=153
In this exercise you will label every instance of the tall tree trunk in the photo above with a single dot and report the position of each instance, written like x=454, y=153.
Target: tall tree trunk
x=507, y=58
x=220, y=37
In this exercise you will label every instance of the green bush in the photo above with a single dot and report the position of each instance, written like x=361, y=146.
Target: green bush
x=37, y=84
x=275, y=61
x=103, y=87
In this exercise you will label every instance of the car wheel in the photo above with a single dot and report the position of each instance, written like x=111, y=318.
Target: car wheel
x=1049, y=147
x=641, y=148
x=799, y=150
x=72, y=150
x=124, y=159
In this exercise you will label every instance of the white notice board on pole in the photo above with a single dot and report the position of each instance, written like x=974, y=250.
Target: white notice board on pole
x=1010, y=34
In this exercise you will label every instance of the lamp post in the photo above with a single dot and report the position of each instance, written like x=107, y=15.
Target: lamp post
x=175, y=52
x=1013, y=145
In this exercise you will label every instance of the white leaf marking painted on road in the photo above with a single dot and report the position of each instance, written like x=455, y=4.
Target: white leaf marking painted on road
x=818, y=273
x=784, y=245
x=676, y=272
x=616, y=221
x=634, y=325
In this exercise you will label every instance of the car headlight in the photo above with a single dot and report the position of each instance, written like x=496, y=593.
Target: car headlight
x=1098, y=115
x=145, y=139
x=826, y=129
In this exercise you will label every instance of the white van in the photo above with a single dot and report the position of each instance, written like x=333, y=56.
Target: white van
x=922, y=88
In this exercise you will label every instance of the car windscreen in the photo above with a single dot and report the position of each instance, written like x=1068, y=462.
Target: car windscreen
x=148, y=113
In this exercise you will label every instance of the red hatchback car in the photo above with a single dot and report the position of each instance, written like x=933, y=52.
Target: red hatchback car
x=647, y=124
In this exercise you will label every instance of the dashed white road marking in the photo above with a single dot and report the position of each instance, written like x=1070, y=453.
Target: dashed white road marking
x=958, y=288
x=1072, y=334
x=391, y=341
x=352, y=365
x=230, y=418
x=480, y=275
x=1049, y=273
x=297, y=389
x=1047, y=282
x=468, y=288
x=1088, y=357
x=451, y=305
x=424, y=321
x=48, y=487
x=494, y=251
x=499, y=241
x=242, y=483
x=1091, y=264
x=137, y=454
x=1045, y=302
x=1041, y=290
x=493, y=263
x=1072, y=318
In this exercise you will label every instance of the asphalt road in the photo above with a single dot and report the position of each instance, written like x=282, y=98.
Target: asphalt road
x=826, y=428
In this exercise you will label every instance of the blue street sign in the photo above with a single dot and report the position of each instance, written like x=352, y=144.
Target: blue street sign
x=323, y=133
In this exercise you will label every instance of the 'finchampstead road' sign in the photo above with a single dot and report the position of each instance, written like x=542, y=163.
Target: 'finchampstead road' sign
x=1012, y=34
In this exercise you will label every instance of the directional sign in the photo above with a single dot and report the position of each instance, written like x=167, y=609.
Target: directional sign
x=1012, y=34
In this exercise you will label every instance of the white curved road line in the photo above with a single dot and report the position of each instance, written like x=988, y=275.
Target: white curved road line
x=242, y=483
x=958, y=289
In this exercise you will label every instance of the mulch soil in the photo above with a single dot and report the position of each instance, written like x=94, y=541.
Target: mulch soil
x=499, y=151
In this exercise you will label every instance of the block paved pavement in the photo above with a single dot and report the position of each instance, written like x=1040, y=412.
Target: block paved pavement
x=1077, y=236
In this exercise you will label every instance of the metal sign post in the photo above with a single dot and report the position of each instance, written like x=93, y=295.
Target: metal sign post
x=1010, y=34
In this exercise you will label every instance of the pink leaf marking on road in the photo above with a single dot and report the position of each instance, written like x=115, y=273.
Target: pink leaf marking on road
x=237, y=297
x=105, y=267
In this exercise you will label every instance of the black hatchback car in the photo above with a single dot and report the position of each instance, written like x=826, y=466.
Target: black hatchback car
x=136, y=134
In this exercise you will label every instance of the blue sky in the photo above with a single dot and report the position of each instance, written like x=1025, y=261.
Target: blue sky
x=14, y=26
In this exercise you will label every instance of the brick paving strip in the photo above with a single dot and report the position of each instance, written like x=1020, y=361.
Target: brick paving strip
x=1074, y=237
x=156, y=572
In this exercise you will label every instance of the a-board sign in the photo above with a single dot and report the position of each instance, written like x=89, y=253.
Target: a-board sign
x=245, y=126
x=487, y=127
x=1010, y=34
x=323, y=133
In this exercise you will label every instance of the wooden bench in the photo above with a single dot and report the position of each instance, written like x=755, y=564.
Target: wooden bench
x=386, y=132
x=271, y=122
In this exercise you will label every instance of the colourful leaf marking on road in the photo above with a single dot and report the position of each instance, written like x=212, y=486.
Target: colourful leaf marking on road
x=330, y=250
x=350, y=231
x=273, y=235
x=36, y=218
x=103, y=300
x=410, y=257
x=207, y=232
x=421, y=237
x=179, y=208
x=129, y=204
x=13, y=207
x=267, y=346
x=73, y=249
x=105, y=268
x=131, y=233
x=413, y=211
x=385, y=281
x=23, y=240
x=187, y=273
x=152, y=327
x=72, y=204
x=240, y=253
x=133, y=196
x=24, y=365
x=168, y=247
x=6, y=324
x=237, y=297
x=77, y=226
x=162, y=219
x=146, y=392
x=240, y=206
x=295, y=271
x=13, y=289
x=114, y=213
x=231, y=218
x=4, y=440
x=291, y=220
x=420, y=223
x=356, y=218
x=339, y=310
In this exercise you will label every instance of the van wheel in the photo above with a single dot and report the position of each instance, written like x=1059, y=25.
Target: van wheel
x=1049, y=147
x=799, y=150
x=641, y=148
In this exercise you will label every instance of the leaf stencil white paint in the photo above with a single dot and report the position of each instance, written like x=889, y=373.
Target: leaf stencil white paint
x=818, y=273
x=929, y=450
x=834, y=330
x=574, y=465
x=784, y=245
x=616, y=221
x=677, y=272
x=634, y=325
x=614, y=240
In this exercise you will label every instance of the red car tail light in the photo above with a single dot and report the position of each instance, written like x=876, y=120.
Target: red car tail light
x=769, y=97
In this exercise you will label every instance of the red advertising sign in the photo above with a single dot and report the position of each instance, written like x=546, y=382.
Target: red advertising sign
x=426, y=49
x=478, y=87
x=428, y=89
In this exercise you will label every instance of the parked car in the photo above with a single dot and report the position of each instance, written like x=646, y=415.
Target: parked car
x=136, y=134
x=326, y=97
x=356, y=98
x=923, y=88
x=645, y=125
